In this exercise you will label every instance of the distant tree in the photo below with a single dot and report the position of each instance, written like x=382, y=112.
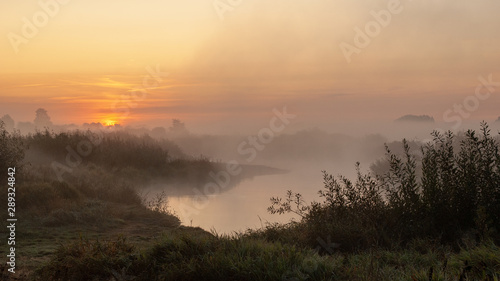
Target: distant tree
x=416, y=118
x=8, y=122
x=42, y=119
x=178, y=127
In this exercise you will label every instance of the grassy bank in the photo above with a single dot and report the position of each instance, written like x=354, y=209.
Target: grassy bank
x=180, y=255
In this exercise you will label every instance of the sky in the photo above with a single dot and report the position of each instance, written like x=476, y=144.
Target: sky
x=223, y=66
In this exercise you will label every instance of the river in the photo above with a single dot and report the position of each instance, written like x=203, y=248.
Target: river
x=245, y=205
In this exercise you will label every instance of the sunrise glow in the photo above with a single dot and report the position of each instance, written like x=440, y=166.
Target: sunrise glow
x=146, y=63
x=108, y=123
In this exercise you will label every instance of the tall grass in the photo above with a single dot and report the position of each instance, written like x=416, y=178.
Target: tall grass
x=189, y=255
x=186, y=256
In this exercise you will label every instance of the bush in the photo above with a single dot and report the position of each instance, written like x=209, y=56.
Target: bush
x=11, y=152
x=114, y=150
x=457, y=193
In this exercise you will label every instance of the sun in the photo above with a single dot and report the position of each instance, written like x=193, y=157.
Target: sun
x=108, y=123
x=108, y=120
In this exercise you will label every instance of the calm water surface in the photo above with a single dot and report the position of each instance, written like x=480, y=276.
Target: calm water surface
x=245, y=206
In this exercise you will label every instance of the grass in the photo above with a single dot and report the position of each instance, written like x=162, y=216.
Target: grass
x=182, y=255
x=37, y=240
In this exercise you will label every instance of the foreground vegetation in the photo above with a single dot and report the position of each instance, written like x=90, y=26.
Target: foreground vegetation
x=199, y=256
x=431, y=216
x=457, y=194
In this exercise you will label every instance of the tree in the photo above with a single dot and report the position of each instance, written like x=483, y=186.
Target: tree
x=8, y=122
x=178, y=127
x=42, y=119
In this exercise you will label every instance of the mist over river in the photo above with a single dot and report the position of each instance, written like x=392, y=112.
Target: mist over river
x=245, y=205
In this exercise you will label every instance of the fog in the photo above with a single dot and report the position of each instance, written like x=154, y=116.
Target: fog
x=280, y=155
x=232, y=139
x=303, y=154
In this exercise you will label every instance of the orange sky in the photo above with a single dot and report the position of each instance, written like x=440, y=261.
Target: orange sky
x=88, y=56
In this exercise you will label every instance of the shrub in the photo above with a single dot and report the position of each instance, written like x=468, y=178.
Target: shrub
x=457, y=192
x=11, y=151
x=114, y=149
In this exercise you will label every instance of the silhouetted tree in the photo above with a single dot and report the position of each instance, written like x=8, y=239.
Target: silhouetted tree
x=8, y=122
x=42, y=119
x=178, y=127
